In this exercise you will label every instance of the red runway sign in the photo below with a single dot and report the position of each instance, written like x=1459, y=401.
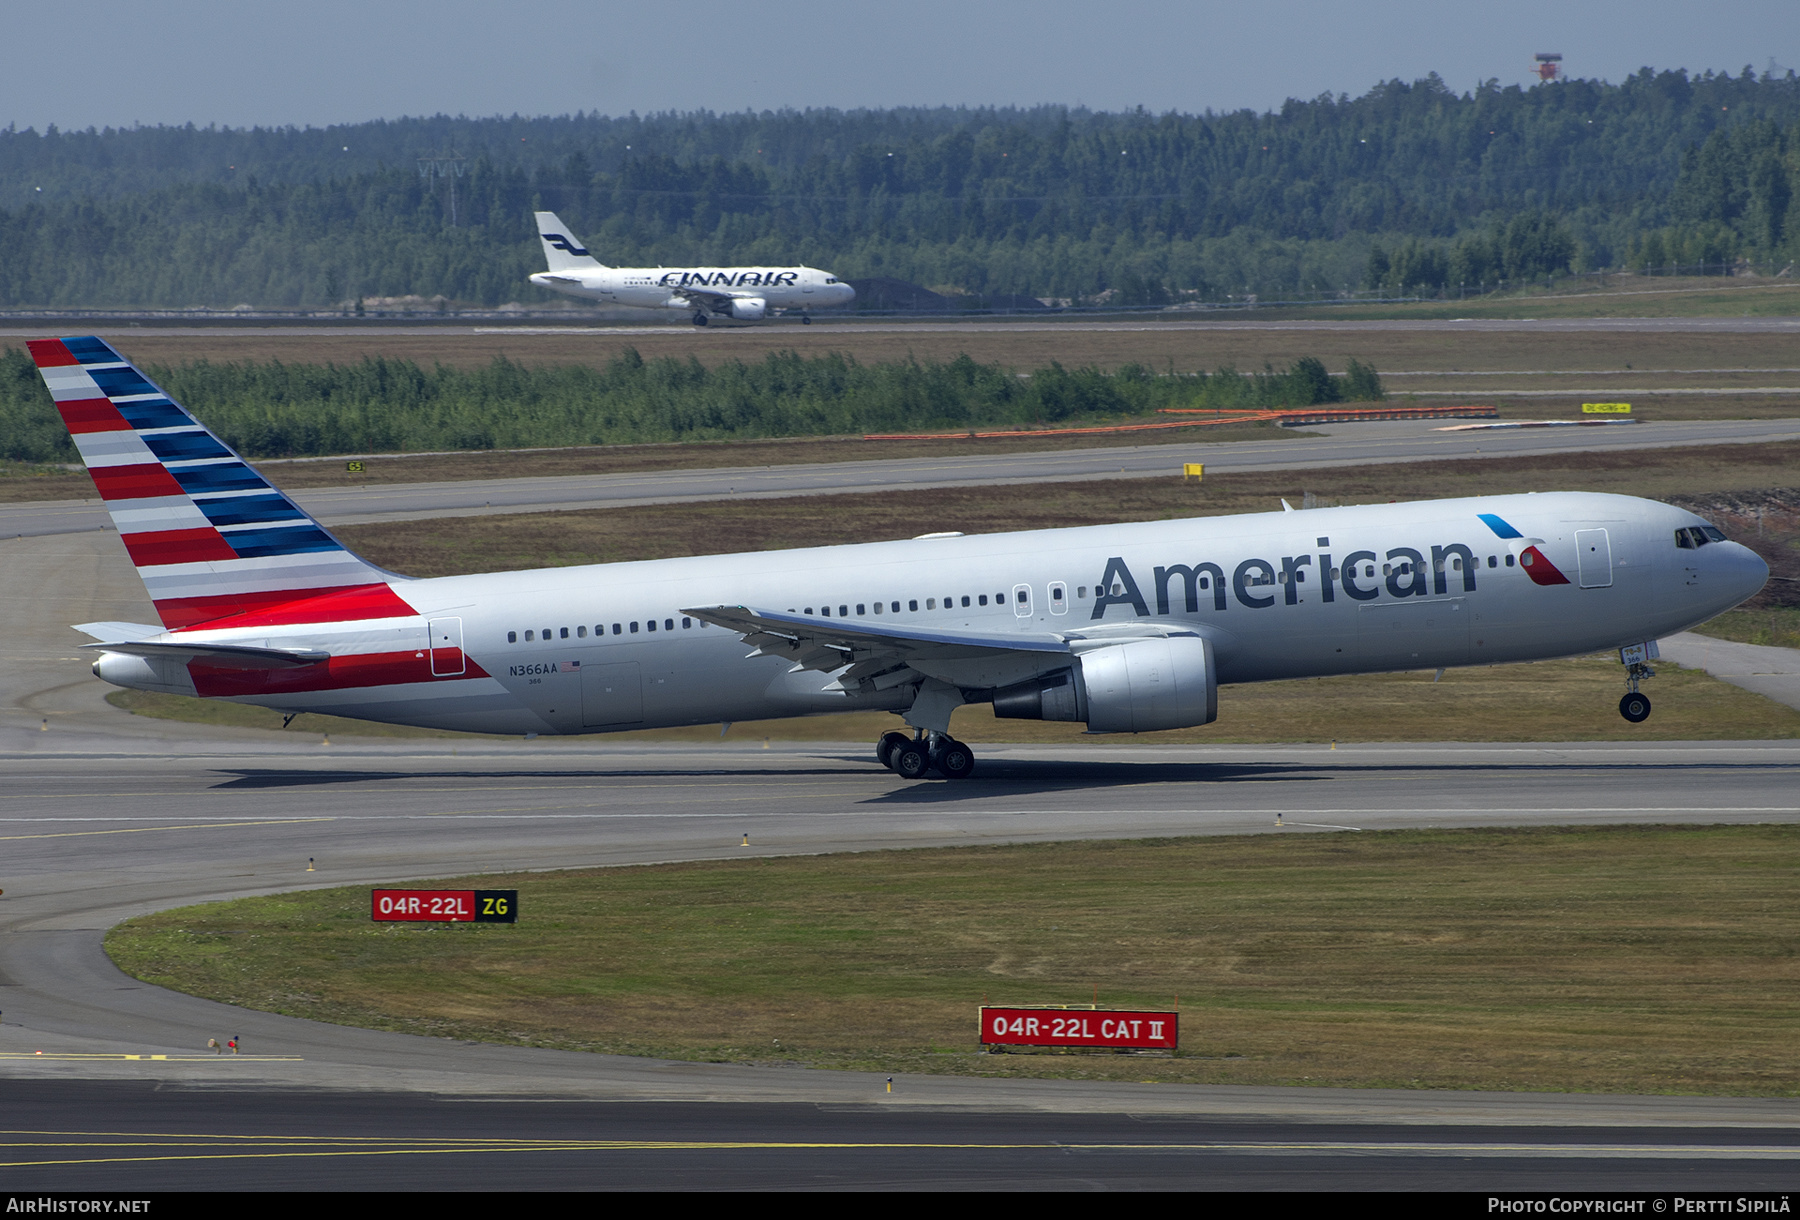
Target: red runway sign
x=1078, y=1027
x=445, y=906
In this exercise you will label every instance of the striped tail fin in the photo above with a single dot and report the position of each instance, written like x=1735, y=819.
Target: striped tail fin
x=213, y=541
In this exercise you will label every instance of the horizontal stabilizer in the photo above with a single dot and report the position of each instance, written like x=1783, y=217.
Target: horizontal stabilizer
x=227, y=656
x=108, y=633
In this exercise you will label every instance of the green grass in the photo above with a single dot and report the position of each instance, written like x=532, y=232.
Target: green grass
x=1617, y=959
x=1776, y=625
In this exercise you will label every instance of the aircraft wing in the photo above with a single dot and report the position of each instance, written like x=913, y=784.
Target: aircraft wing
x=877, y=656
x=711, y=298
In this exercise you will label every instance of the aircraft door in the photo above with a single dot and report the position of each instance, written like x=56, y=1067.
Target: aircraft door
x=1022, y=601
x=1593, y=557
x=446, y=647
x=1059, y=597
x=611, y=694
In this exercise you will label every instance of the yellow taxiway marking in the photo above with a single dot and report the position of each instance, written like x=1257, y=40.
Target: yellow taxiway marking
x=139, y=830
x=237, y=1147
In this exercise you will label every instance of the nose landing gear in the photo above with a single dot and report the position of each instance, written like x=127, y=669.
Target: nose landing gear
x=1635, y=707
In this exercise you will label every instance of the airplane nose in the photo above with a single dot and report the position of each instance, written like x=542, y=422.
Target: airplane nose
x=1745, y=572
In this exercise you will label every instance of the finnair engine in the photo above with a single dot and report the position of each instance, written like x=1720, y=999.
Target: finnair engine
x=748, y=309
x=1164, y=683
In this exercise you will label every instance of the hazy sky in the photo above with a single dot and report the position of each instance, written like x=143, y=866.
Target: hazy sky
x=243, y=62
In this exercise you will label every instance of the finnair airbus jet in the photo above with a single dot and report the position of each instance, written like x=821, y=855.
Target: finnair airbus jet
x=1127, y=628
x=747, y=294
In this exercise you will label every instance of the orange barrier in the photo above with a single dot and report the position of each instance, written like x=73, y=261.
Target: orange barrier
x=1251, y=417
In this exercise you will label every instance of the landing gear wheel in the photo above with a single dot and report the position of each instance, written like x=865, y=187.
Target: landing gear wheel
x=699, y=319
x=806, y=319
x=1635, y=707
x=885, y=748
x=952, y=759
x=911, y=761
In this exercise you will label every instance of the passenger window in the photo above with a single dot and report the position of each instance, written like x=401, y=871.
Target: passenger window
x=1456, y=564
x=581, y=633
x=1509, y=561
x=1023, y=597
x=546, y=633
x=668, y=624
x=895, y=606
x=930, y=604
x=825, y=611
x=862, y=609
x=529, y=637
x=616, y=629
x=809, y=610
x=565, y=633
x=512, y=637
x=1206, y=582
x=982, y=599
x=1081, y=592
x=687, y=623
x=999, y=599
x=650, y=626
x=878, y=607
x=1493, y=562
x=634, y=629
x=843, y=612
x=966, y=599
x=1056, y=593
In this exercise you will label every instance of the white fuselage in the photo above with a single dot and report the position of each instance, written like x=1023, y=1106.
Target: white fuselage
x=691, y=288
x=1279, y=595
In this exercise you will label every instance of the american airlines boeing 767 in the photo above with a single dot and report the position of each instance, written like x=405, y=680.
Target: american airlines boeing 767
x=1128, y=628
x=746, y=294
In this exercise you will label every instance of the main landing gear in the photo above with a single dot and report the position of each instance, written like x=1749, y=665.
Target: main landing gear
x=911, y=757
x=700, y=318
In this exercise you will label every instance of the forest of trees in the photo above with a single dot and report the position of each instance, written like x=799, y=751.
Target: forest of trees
x=272, y=409
x=1410, y=187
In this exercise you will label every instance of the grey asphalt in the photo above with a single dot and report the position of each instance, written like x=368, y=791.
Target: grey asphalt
x=1364, y=444
x=1773, y=673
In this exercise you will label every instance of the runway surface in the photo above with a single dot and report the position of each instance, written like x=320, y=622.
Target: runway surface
x=1366, y=444
x=96, y=826
x=14, y=328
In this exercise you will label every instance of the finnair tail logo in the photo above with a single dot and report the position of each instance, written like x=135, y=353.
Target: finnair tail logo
x=563, y=243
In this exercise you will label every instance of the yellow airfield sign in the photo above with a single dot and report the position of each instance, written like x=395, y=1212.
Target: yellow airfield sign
x=1606, y=408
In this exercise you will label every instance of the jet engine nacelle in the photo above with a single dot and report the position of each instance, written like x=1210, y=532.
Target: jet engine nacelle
x=1136, y=687
x=748, y=309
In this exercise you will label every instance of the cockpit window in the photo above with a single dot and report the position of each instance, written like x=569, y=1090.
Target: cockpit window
x=1713, y=532
x=1683, y=539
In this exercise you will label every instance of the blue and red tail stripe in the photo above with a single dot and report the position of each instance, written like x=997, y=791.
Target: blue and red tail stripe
x=210, y=536
x=1537, y=565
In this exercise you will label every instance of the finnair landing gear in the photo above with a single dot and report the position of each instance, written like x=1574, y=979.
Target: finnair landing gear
x=700, y=318
x=806, y=319
x=1635, y=707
